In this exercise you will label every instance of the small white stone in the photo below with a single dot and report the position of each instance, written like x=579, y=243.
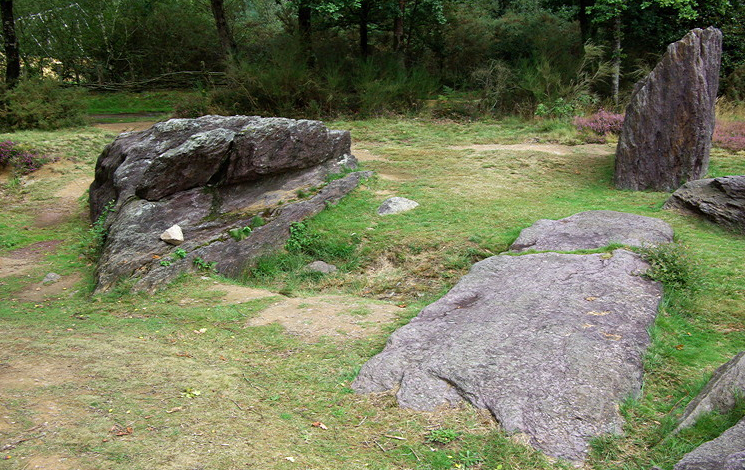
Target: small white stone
x=173, y=235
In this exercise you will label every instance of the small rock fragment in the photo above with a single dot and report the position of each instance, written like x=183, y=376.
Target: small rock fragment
x=321, y=267
x=51, y=278
x=173, y=236
x=395, y=205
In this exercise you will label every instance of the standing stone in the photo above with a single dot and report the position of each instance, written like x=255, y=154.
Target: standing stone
x=666, y=136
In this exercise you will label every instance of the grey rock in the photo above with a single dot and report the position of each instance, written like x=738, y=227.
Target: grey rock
x=210, y=175
x=666, y=135
x=173, y=235
x=726, y=452
x=721, y=200
x=720, y=393
x=550, y=343
x=735, y=461
x=321, y=267
x=396, y=205
x=51, y=278
x=593, y=229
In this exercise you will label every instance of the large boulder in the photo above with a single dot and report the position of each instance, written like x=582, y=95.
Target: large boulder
x=720, y=394
x=666, y=136
x=726, y=452
x=550, y=343
x=211, y=176
x=591, y=230
x=721, y=200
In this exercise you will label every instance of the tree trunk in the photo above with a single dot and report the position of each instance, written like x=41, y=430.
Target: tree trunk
x=12, y=56
x=616, y=78
x=305, y=25
x=363, y=23
x=584, y=20
x=229, y=47
x=398, y=27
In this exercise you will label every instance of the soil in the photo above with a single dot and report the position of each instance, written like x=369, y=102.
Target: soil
x=333, y=316
x=120, y=127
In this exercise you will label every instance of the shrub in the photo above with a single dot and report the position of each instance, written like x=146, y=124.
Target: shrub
x=730, y=135
x=41, y=104
x=22, y=161
x=601, y=123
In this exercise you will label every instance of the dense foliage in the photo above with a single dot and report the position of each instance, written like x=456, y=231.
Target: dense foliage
x=322, y=57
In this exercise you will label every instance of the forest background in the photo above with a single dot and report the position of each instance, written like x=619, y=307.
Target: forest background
x=324, y=58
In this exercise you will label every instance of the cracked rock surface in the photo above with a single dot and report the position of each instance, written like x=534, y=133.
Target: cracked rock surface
x=211, y=175
x=549, y=343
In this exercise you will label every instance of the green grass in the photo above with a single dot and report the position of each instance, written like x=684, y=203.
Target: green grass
x=160, y=102
x=103, y=364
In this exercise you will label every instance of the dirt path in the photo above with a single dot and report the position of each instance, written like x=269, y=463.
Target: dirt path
x=556, y=149
x=125, y=126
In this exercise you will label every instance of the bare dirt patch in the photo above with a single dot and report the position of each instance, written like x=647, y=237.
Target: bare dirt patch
x=365, y=155
x=39, y=292
x=120, y=127
x=24, y=259
x=334, y=316
x=51, y=462
x=27, y=373
x=239, y=294
x=338, y=317
x=556, y=149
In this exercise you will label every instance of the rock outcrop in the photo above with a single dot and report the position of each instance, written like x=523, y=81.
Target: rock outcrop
x=720, y=394
x=666, y=136
x=211, y=176
x=591, y=230
x=721, y=200
x=550, y=343
x=726, y=452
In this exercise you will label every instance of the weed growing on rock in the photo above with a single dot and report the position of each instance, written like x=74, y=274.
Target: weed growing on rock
x=203, y=265
x=98, y=232
x=240, y=233
x=670, y=264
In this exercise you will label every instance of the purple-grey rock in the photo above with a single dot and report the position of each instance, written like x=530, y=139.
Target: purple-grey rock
x=726, y=452
x=211, y=175
x=720, y=394
x=721, y=200
x=550, y=343
x=591, y=230
x=666, y=135
x=735, y=461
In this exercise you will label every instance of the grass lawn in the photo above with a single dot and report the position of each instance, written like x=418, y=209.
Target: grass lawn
x=191, y=378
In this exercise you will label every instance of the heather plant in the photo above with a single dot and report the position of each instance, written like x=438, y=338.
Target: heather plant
x=596, y=127
x=21, y=161
x=602, y=123
x=730, y=135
